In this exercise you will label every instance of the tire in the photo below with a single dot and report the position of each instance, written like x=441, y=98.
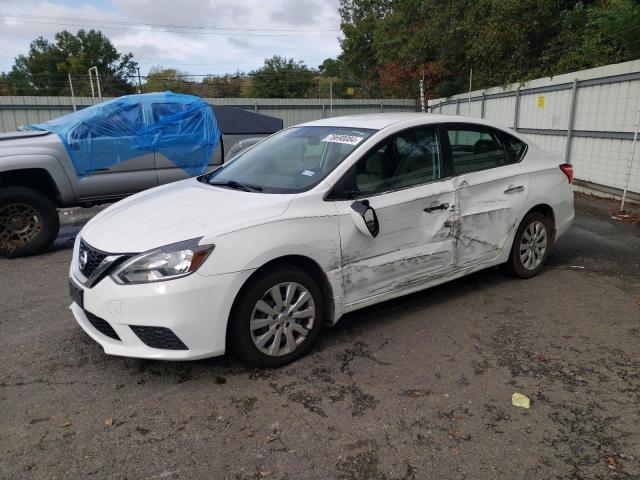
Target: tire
x=526, y=265
x=29, y=222
x=244, y=341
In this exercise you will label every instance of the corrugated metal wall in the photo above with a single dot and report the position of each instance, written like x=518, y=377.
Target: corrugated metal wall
x=16, y=111
x=607, y=105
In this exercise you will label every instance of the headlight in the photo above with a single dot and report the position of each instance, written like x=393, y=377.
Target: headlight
x=164, y=263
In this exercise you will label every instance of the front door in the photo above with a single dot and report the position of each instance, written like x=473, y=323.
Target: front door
x=490, y=189
x=401, y=179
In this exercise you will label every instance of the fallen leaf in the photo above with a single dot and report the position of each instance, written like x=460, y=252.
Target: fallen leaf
x=611, y=463
x=520, y=400
x=269, y=439
x=414, y=393
x=66, y=424
x=108, y=422
x=542, y=359
x=265, y=472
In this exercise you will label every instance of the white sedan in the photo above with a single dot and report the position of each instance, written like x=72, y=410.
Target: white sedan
x=315, y=221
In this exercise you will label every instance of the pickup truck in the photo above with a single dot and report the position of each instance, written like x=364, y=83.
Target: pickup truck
x=38, y=174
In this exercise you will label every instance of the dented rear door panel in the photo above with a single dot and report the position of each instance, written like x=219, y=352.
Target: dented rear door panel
x=489, y=205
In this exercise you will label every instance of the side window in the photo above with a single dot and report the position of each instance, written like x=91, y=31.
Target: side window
x=410, y=158
x=476, y=149
x=516, y=147
x=123, y=120
x=163, y=110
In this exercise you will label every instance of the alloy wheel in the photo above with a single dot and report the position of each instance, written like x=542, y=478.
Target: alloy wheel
x=533, y=245
x=19, y=224
x=282, y=319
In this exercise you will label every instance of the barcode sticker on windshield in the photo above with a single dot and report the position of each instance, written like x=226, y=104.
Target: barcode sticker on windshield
x=348, y=139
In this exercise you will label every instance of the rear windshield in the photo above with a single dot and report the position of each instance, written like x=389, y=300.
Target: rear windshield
x=291, y=161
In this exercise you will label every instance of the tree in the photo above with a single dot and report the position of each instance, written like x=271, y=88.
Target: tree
x=229, y=85
x=43, y=71
x=5, y=86
x=163, y=79
x=390, y=45
x=331, y=67
x=281, y=77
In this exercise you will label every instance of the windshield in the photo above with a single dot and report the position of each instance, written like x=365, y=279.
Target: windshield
x=291, y=161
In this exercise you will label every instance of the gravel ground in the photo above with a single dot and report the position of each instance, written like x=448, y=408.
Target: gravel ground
x=413, y=388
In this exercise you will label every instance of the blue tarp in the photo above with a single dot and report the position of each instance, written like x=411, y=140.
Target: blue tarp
x=181, y=127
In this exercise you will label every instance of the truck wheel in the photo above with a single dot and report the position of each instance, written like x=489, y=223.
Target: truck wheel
x=29, y=222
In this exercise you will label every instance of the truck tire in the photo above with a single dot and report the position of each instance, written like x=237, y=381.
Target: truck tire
x=29, y=222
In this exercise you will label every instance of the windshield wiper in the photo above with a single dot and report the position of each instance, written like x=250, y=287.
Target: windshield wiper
x=237, y=186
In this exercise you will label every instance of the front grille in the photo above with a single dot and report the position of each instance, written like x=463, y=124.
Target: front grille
x=94, y=258
x=102, y=326
x=159, y=337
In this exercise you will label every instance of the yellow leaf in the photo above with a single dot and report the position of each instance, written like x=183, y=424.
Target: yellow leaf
x=520, y=400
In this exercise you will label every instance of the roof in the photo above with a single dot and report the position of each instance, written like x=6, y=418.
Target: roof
x=378, y=121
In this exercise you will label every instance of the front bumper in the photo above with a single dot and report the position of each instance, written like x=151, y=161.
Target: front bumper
x=194, y=308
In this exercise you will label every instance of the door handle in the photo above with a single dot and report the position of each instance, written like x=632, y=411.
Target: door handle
x=442, y=206
x=512, y=189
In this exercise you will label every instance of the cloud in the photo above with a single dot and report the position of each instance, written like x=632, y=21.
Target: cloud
x=183, y=45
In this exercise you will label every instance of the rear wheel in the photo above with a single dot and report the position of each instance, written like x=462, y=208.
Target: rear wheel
x=531, y=246
x=276, y=317
x=29, y=222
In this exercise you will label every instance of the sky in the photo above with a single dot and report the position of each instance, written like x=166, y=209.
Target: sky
x=197, y=36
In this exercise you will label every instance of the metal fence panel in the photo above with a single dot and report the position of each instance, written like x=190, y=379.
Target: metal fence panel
x=500, y=110
x=16, y=111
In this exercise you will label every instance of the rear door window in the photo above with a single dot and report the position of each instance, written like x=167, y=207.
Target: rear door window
x=160, y=111
x=476, y=148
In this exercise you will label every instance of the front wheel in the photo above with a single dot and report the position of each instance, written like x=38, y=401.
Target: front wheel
x=29, y=222
x=531, y=246
x=276, y=317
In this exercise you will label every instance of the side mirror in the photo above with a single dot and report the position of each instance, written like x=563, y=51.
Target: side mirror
x=365, y=218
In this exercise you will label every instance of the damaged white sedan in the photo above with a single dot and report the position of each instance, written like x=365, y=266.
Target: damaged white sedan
x=315, y=221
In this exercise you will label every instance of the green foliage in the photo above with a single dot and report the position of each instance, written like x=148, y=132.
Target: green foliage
x=167, y=79
x=221, y=86
x=281, y=77
x=43, y=71
x=331, y=67
x=389, y=45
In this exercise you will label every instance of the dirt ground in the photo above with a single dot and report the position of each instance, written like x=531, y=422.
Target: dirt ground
x=414, y=388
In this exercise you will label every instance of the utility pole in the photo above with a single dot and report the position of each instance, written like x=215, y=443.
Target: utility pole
x=331, y=98
x=73, y=97
x=630, y=164
x=470, y=80
x=139, y=81
x=422, y=95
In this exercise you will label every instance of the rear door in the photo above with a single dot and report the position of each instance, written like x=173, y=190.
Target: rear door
x=491, y=189
x=106, y=159
x=402, y=179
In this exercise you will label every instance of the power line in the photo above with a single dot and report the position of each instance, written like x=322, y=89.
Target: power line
x=150, y=28
x=161, y=25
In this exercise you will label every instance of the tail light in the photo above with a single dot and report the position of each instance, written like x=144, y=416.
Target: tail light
x=567, y=169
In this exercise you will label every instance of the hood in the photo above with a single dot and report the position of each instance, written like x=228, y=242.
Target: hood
x=28, y=142
x=176, y=212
